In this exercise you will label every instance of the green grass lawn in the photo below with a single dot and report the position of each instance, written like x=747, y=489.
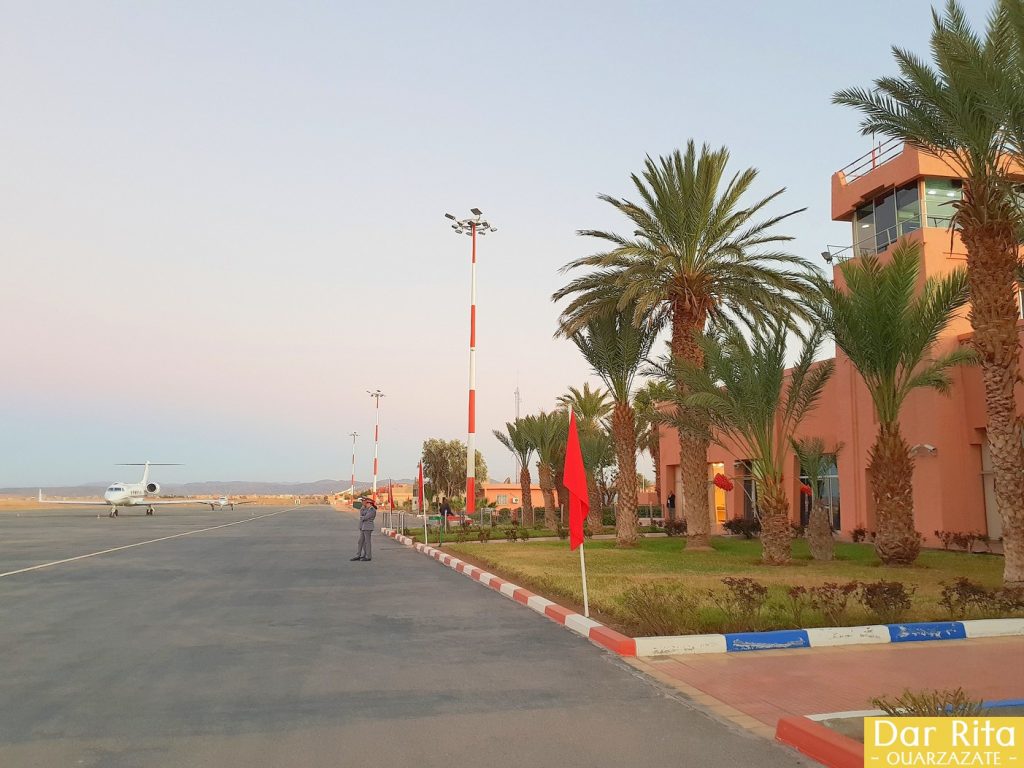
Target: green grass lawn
x=549, y=568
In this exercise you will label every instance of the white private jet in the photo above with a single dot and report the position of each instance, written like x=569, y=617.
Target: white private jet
x=224, y=501
x=131, y=494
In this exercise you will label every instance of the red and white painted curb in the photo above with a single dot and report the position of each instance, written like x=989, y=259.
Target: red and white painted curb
x=594, y=631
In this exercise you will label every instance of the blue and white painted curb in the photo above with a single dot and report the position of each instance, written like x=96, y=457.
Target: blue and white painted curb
x=818, y=637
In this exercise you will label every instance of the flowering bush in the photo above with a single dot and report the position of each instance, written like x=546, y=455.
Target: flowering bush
x=723, y=482
x=805, y=489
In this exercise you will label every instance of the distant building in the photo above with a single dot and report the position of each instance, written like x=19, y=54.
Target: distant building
x=510, y=495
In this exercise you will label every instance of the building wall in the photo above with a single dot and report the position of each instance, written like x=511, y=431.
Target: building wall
x=511, y=493
x=947, y=431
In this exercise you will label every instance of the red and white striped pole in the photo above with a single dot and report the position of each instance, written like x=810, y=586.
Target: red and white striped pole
x=471, y=437
x=352, y=485
x=376, y=395
x=472, y=227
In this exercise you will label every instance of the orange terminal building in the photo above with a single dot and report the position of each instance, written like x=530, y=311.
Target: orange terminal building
x=895, y=191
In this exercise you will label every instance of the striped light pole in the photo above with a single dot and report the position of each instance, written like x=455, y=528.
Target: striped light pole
x=352, y=487
x=472, y=226
x=376, y=395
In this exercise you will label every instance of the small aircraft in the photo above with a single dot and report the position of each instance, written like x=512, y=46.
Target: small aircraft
x=122, y=494
x=224, y=501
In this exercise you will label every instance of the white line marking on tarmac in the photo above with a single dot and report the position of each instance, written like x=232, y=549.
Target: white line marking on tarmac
x=140, y=543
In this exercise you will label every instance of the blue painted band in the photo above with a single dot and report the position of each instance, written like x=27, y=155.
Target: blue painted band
x=764, y=641
x=1004, y=703
x=931, y=630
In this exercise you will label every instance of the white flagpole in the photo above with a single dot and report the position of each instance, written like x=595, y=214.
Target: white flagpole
x=583, y=573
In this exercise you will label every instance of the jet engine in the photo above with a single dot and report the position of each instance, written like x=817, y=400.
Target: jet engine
x=152, y=487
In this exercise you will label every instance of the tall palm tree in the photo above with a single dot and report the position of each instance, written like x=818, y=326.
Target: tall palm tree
x=888, y=329
x=615, y=349
x=590, y=405
x=547, y=432
x=955, y=108
x=754, y=405
x=698, y=250
x=814, y=458
x=598, y=453
x=516, y=440
x=647, y=402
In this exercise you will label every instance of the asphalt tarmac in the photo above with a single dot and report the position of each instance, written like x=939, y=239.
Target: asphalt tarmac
x=259, y=644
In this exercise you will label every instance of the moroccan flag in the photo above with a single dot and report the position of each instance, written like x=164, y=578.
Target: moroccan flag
x=391, y=497
x=419, y=484
x=576, y=483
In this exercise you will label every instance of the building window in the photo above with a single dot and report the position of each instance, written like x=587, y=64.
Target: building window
x=718, y=498
x=828, y=492
x=941, y=196
x=502, y=498
x=886, y=219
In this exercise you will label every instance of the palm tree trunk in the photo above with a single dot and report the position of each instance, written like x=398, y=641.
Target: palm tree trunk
x=991, y=267
x=624, y=437
x=594, y=516
x=892, y=471
x=526, y=495
x=776, y=533
x=655, y=451
x=547, y=484
x=687, y=325
x=819, y=532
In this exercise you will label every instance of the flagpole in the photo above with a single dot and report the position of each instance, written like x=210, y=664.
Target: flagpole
x=583, y=573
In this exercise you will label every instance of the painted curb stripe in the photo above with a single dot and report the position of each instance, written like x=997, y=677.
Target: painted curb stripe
x=766, y=641
x=820, y=743
x=935, y=630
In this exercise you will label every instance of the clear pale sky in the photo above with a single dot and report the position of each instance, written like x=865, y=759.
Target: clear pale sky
x=221, y=222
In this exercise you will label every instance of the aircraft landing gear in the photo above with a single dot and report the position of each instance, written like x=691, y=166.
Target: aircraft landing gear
x=113, y=512
x=149, y=510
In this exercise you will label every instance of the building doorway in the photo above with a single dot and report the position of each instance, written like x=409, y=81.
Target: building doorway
x=828, y=492
x=993, y=521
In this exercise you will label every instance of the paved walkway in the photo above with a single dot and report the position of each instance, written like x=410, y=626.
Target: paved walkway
x=260, y=644
x=756, y=689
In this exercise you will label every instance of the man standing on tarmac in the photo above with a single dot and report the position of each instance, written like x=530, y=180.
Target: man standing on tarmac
x=367, y=512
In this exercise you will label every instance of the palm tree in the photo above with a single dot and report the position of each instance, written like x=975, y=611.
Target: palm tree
x=547, y=432
x=598, y=452
x=615, y=349
x=697, y=251
x=515, y=439
x=753, y=404
x=814, y=458
x=888, y=330
x=590, y=405
x=646, y=402
x=956, y=108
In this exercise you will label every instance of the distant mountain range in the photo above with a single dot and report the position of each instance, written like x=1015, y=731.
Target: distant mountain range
x=209, y=488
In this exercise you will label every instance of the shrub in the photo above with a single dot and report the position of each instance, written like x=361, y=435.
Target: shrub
x=461, y=535
x=798, y=530
x=747, y=527
x=1010, y=599
x=483, y=535
x=798, y=600
x=607, y=517
x=831, y=599
x=742, y=601
x=887, y=600
x=588, y=532
x=859, y=534
x=511, y=534
x=660, y=609
x=960, y=596
x=675, y=527
x=524, y=534
x=948, y=703
x=562, y=531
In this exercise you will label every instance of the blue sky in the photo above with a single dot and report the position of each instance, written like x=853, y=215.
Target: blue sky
x=222, y=222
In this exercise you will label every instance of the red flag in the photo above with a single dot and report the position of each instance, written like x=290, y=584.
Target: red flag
x=420, y=489
x=576, y=483
x=391, y=497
